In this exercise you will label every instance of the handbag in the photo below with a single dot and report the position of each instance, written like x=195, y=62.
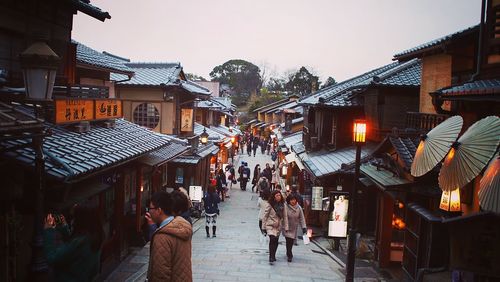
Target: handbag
x=306, y=239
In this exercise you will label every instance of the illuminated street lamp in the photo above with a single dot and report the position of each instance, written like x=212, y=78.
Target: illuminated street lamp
x=359, y=139
x=204, y=136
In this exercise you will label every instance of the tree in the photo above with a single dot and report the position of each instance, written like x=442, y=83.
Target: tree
x=302, y=82
x=276, y=84
x=195, y=77
x=329, y=82
x=241, y=75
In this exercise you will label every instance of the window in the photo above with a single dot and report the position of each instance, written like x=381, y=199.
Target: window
x=146, y=115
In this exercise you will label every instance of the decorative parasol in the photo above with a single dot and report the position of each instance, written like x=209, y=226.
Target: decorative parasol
x=435, y=144
x=470, y=154
x=489, y=193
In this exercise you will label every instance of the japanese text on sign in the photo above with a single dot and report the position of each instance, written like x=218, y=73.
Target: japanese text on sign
x=74, y=110
x=105, y=109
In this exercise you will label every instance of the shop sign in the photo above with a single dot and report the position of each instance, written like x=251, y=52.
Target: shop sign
x=337, y=225
x=106, y=109
x=317, y=198
x=74, y=110
x=186, y=120
x=195, y=193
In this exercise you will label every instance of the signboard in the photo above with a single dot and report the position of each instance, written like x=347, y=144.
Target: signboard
x=186, y=120
x=179, y=176
x=195, y=193
x=74, y=110
x=317, y=198
x=337, y=226
x=106, y=109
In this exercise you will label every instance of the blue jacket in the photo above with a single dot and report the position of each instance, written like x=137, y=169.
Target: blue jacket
x=211, y=201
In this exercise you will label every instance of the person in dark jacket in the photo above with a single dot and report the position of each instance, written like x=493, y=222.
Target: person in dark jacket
x=256, y=176
x=267, y=173
x=249, y=147
x=255, y=145
x=245, y=176
x=211, y=201
x=221, y=183
x=77, y=259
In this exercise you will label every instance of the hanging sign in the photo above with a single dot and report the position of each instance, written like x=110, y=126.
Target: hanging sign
x=74, y=110
x=337, y=225
x=106, y=109
x=186, y=120
x=317, y=198
x=195, y=193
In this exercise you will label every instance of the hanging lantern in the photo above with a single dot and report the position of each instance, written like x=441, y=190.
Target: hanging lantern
x=450, y=201
x=359, y=131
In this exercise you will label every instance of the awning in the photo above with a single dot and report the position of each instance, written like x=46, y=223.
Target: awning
x=164, y=154
x=292, y=157
x=382, y=177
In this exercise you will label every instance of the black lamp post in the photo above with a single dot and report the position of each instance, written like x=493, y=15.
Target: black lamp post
x=359, y=138
x=39, y=64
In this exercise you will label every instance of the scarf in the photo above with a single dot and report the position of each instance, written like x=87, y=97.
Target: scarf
x=278, y=208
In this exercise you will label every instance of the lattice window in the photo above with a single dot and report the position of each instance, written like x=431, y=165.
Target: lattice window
x=146, y=115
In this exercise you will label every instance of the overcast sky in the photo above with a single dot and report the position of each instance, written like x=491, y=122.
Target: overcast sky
x=338, y=38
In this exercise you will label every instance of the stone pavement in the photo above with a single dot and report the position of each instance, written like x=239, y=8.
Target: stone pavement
x=237, y=253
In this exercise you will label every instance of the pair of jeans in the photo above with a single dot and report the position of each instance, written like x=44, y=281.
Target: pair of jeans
x=289, y=246
x=273, y=246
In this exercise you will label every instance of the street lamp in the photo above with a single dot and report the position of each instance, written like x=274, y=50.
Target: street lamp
x=359, y=139
x=39, y=64
x=204, y=136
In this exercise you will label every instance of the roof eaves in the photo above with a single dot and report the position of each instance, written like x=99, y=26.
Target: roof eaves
x=91, y=10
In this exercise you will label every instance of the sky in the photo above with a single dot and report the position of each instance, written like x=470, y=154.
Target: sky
x=338, y=38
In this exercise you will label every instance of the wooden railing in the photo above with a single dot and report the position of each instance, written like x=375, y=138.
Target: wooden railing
x=423, y=121
x=81, y=91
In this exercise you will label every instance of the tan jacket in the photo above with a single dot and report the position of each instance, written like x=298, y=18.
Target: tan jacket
x=295, y=219
x=272, y=223
x=170, y=253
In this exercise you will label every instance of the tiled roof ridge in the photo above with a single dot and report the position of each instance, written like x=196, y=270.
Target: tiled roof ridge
x=197, y=85
x=85, y=7
x=396, y=70
x=270, y=106
x=116, y=56
x=153, y=65
x=346, y=84
x=94, y=58
x=432, y=43
x=482, y=86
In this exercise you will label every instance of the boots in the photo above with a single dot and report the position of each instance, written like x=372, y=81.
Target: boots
x=213, y=231
x=208, y=231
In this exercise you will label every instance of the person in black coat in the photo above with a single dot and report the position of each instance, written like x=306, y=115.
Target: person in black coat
x=255, y=145
x=221, y=183
x=211, y=201
x=267, y=173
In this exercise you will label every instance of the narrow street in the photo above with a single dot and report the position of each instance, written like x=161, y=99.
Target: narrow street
x=237, y=254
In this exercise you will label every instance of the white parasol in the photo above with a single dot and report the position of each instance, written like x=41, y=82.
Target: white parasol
x=470, y=154
x=435, y=144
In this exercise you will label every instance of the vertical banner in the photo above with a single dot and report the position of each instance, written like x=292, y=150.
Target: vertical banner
x=337, y=226
x=195, y=193
x=317, y=198
x=186, y=120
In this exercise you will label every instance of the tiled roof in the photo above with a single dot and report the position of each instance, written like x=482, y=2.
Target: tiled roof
x=272, y=105
x=292, y=139
x=294, y=121
x=436, y=43
x=479, y=87
x=85, y=7
x=193, y=87
x=382, y=176
x=345, y=94
x=88, y=56
x=405, y=148
x=288, y=105
x=331, y=92
x=224, y=130
x=203, y=151
x=151, y=74
x=70, y=154
x=164, y=154
x=322, y=163
x=212, y=135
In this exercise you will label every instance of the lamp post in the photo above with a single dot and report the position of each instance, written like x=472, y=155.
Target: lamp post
x=204, y=136
x=359, y=138
x=39, y=64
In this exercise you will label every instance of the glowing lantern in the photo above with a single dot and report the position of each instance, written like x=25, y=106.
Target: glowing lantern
x=450, y=201
x=359, y=131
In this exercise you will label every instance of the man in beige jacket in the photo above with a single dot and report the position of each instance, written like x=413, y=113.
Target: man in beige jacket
x=170, y=250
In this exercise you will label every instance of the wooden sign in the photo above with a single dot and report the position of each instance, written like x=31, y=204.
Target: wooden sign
x=74, y=110
x=186, y=120
x=317, y=198
x=106, y=109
